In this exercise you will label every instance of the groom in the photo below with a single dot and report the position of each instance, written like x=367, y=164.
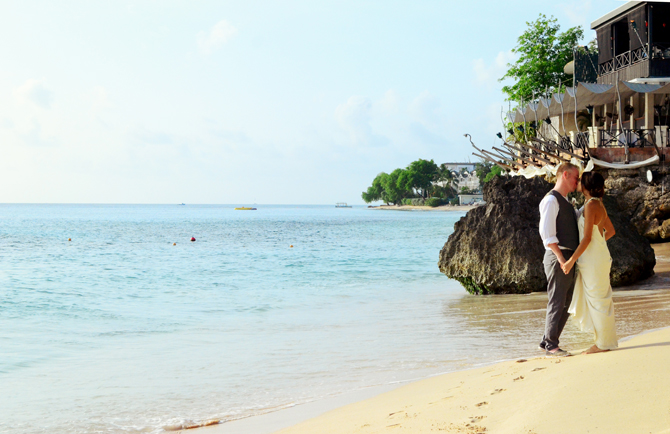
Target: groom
x=560, y=236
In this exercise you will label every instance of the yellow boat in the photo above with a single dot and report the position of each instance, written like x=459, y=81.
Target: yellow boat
x=244, y=208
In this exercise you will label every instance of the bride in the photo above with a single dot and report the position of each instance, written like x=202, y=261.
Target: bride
x=592, y=300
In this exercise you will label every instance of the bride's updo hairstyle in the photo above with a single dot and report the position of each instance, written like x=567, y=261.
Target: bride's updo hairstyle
x=594, y=183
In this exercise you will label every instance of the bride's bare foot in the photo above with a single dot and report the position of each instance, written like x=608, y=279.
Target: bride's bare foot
x=594, y=349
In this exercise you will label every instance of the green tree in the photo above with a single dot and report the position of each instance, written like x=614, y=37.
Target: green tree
x=419, y=177
x=376, y=190
x=393, y=191
x=543, y=52
x=495, y=171
x=482, y=169
x=445, y=183
x=521, y=131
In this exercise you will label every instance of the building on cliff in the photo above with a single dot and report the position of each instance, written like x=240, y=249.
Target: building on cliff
x=617, y=112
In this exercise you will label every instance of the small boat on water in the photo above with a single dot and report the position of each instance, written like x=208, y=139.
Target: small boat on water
x=245, y=208
x=342, y=205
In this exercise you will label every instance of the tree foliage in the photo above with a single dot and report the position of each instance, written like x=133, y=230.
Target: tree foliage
x=393, y=191
x=445, y=183
x=482, y=169
x=495, y=171
x=376, y=190
x=543, y=52
x=421, y=178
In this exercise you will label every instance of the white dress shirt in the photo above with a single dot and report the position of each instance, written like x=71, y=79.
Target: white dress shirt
x=548, y=213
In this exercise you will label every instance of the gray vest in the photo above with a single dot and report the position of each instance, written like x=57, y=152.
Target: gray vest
x=567, y=231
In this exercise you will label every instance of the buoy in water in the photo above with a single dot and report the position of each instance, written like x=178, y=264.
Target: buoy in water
x=291, y=245
x=192, y=238
x=174, y=244
x=69, y=239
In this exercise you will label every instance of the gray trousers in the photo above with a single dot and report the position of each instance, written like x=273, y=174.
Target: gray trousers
x=560, y=287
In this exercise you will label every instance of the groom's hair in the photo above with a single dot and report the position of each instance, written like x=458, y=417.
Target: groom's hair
x=563, y=167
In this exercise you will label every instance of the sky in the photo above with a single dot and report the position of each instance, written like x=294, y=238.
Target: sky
x=243, y=102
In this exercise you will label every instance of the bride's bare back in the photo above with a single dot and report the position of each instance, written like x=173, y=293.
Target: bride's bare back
x=595, y=214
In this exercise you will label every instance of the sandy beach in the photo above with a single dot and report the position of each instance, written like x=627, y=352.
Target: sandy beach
x=622, y=391
x=463, y=208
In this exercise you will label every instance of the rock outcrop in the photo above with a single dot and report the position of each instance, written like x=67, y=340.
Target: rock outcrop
x=496, y=248
x=647, y=205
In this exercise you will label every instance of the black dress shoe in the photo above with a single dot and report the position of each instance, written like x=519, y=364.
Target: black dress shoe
x=558, y=353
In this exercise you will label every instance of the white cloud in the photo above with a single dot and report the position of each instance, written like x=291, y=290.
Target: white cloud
x=577, y=13
x=354, y=117
x=489, y=74
x=7, y=123
x=425, y=109
x=36, y=92
x=98, y=98
x=32, y=134
x=150, y=137
x=217, y=36
x=389, y=102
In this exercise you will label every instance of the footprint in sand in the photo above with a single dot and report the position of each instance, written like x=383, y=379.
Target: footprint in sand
x=481, y=403
x=474, y=419
x=537, y=369
x=518, y=378
x=435, y=402
x=465, y=428
x=497, y=391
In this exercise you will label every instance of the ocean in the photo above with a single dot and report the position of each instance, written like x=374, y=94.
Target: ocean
x=120, y=330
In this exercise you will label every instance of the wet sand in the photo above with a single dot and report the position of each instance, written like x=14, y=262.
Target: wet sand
x=617, y=392
x=623, y=391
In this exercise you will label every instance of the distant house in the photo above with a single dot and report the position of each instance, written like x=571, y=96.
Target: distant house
x=464, y=178
x=470, y=199
x=469, y=181
x=456, y=167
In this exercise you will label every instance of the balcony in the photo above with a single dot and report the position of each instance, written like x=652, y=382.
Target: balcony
x=623, y=60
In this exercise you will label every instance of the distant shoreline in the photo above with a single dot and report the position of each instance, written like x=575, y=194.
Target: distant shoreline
x=443, y=208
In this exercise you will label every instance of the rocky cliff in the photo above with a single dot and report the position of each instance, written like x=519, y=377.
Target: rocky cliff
x=647, y=204
x=496, y=248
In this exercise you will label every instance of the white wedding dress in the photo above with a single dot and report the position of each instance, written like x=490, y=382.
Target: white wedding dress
x=592, y=305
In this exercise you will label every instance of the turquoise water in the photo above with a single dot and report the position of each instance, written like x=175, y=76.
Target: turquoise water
x=120, y=331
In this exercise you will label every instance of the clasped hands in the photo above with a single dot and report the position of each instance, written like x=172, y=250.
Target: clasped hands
x=566, y=266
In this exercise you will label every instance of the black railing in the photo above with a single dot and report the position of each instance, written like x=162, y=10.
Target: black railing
x=626, y=59
x=582, y=139
x=606, y=68
x=564, y=143
x=622, y=60
x=639, y=138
